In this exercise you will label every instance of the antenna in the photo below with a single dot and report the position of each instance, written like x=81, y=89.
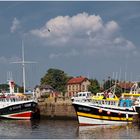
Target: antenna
x=9, y=75
x=115, y=82
x=120, y=74
x=23, y=62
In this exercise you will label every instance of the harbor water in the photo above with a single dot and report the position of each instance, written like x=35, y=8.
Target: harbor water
x=64, y=129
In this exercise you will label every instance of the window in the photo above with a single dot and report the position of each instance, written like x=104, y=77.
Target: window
x=69, y=87
x=76, y=87
x=83, y=87
x=73, y=87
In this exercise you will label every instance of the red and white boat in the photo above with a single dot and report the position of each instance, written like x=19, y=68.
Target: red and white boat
x=17, y=107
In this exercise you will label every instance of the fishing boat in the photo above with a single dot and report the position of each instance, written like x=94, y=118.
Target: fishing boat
x=104, y=108
x=13, y=106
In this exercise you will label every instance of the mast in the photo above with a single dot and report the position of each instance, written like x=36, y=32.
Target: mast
x=23, y=67
x=23, y=62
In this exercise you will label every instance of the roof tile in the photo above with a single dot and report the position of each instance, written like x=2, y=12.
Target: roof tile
x=76, y=80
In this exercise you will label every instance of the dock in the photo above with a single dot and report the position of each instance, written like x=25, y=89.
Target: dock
x=57, y=108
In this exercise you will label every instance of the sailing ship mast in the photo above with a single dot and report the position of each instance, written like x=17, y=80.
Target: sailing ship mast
x=23, y=62
x=23, y=67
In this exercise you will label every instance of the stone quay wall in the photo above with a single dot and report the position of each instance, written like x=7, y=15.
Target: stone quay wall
x=57, y=108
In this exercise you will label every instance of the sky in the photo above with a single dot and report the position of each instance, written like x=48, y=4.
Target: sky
x=95, y=39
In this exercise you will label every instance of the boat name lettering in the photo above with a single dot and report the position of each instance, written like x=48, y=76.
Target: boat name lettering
x=15, y=107
x=84, y=109
x=27, y=105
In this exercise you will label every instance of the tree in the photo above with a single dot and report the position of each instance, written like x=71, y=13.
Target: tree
x=5, y=87
x=55, y=78
x=94, y=87
x=108, y=83
x=118, y=91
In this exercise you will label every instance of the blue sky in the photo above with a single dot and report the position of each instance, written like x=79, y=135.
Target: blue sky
x=93, y=39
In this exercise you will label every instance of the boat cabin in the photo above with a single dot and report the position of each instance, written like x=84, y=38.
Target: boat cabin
x=103, y=99
x=82, y=96
x=133, y=97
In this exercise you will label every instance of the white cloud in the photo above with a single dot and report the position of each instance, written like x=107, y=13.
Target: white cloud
x=15, y=25
x=84, y=31
x=133, y=16
x=14, y=59
x=68, y=54
x=69, y=26
x=5, y=60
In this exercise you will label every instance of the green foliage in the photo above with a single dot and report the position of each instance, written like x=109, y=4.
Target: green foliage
x=21, y=89
x=55, y=78
x=94, y=87
x=109, y=83
x=118, y=91
x=5, y=87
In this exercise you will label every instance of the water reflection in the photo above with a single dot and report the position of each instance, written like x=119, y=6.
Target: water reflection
x=17, y=128
x=38, y=129
x=125, y=131
x=64, y=129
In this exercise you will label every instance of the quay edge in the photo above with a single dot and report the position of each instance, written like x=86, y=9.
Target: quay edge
x=57, y=109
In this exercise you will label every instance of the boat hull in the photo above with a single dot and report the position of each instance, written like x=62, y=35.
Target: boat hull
x=99, y=115
x=27, y=110
x=85, y=121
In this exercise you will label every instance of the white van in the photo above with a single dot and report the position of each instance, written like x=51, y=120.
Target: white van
x=82, y=96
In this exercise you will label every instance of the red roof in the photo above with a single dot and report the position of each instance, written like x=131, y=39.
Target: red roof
x=77, y=80
x=126, y=85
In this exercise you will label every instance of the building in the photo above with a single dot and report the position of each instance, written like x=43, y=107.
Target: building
x=77, y=84
x=125, y=86
x=37, y=91
x=43, y=90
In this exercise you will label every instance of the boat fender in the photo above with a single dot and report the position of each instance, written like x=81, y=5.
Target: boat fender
x=100, y=110
x=108, y=112
x=119, y=113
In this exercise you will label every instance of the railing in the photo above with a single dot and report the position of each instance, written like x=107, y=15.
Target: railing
x=105, y=102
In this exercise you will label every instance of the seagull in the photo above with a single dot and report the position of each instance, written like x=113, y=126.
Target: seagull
x=49, y=30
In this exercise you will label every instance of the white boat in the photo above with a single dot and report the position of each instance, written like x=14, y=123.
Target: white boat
x=101, y=111
x=13, y=106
